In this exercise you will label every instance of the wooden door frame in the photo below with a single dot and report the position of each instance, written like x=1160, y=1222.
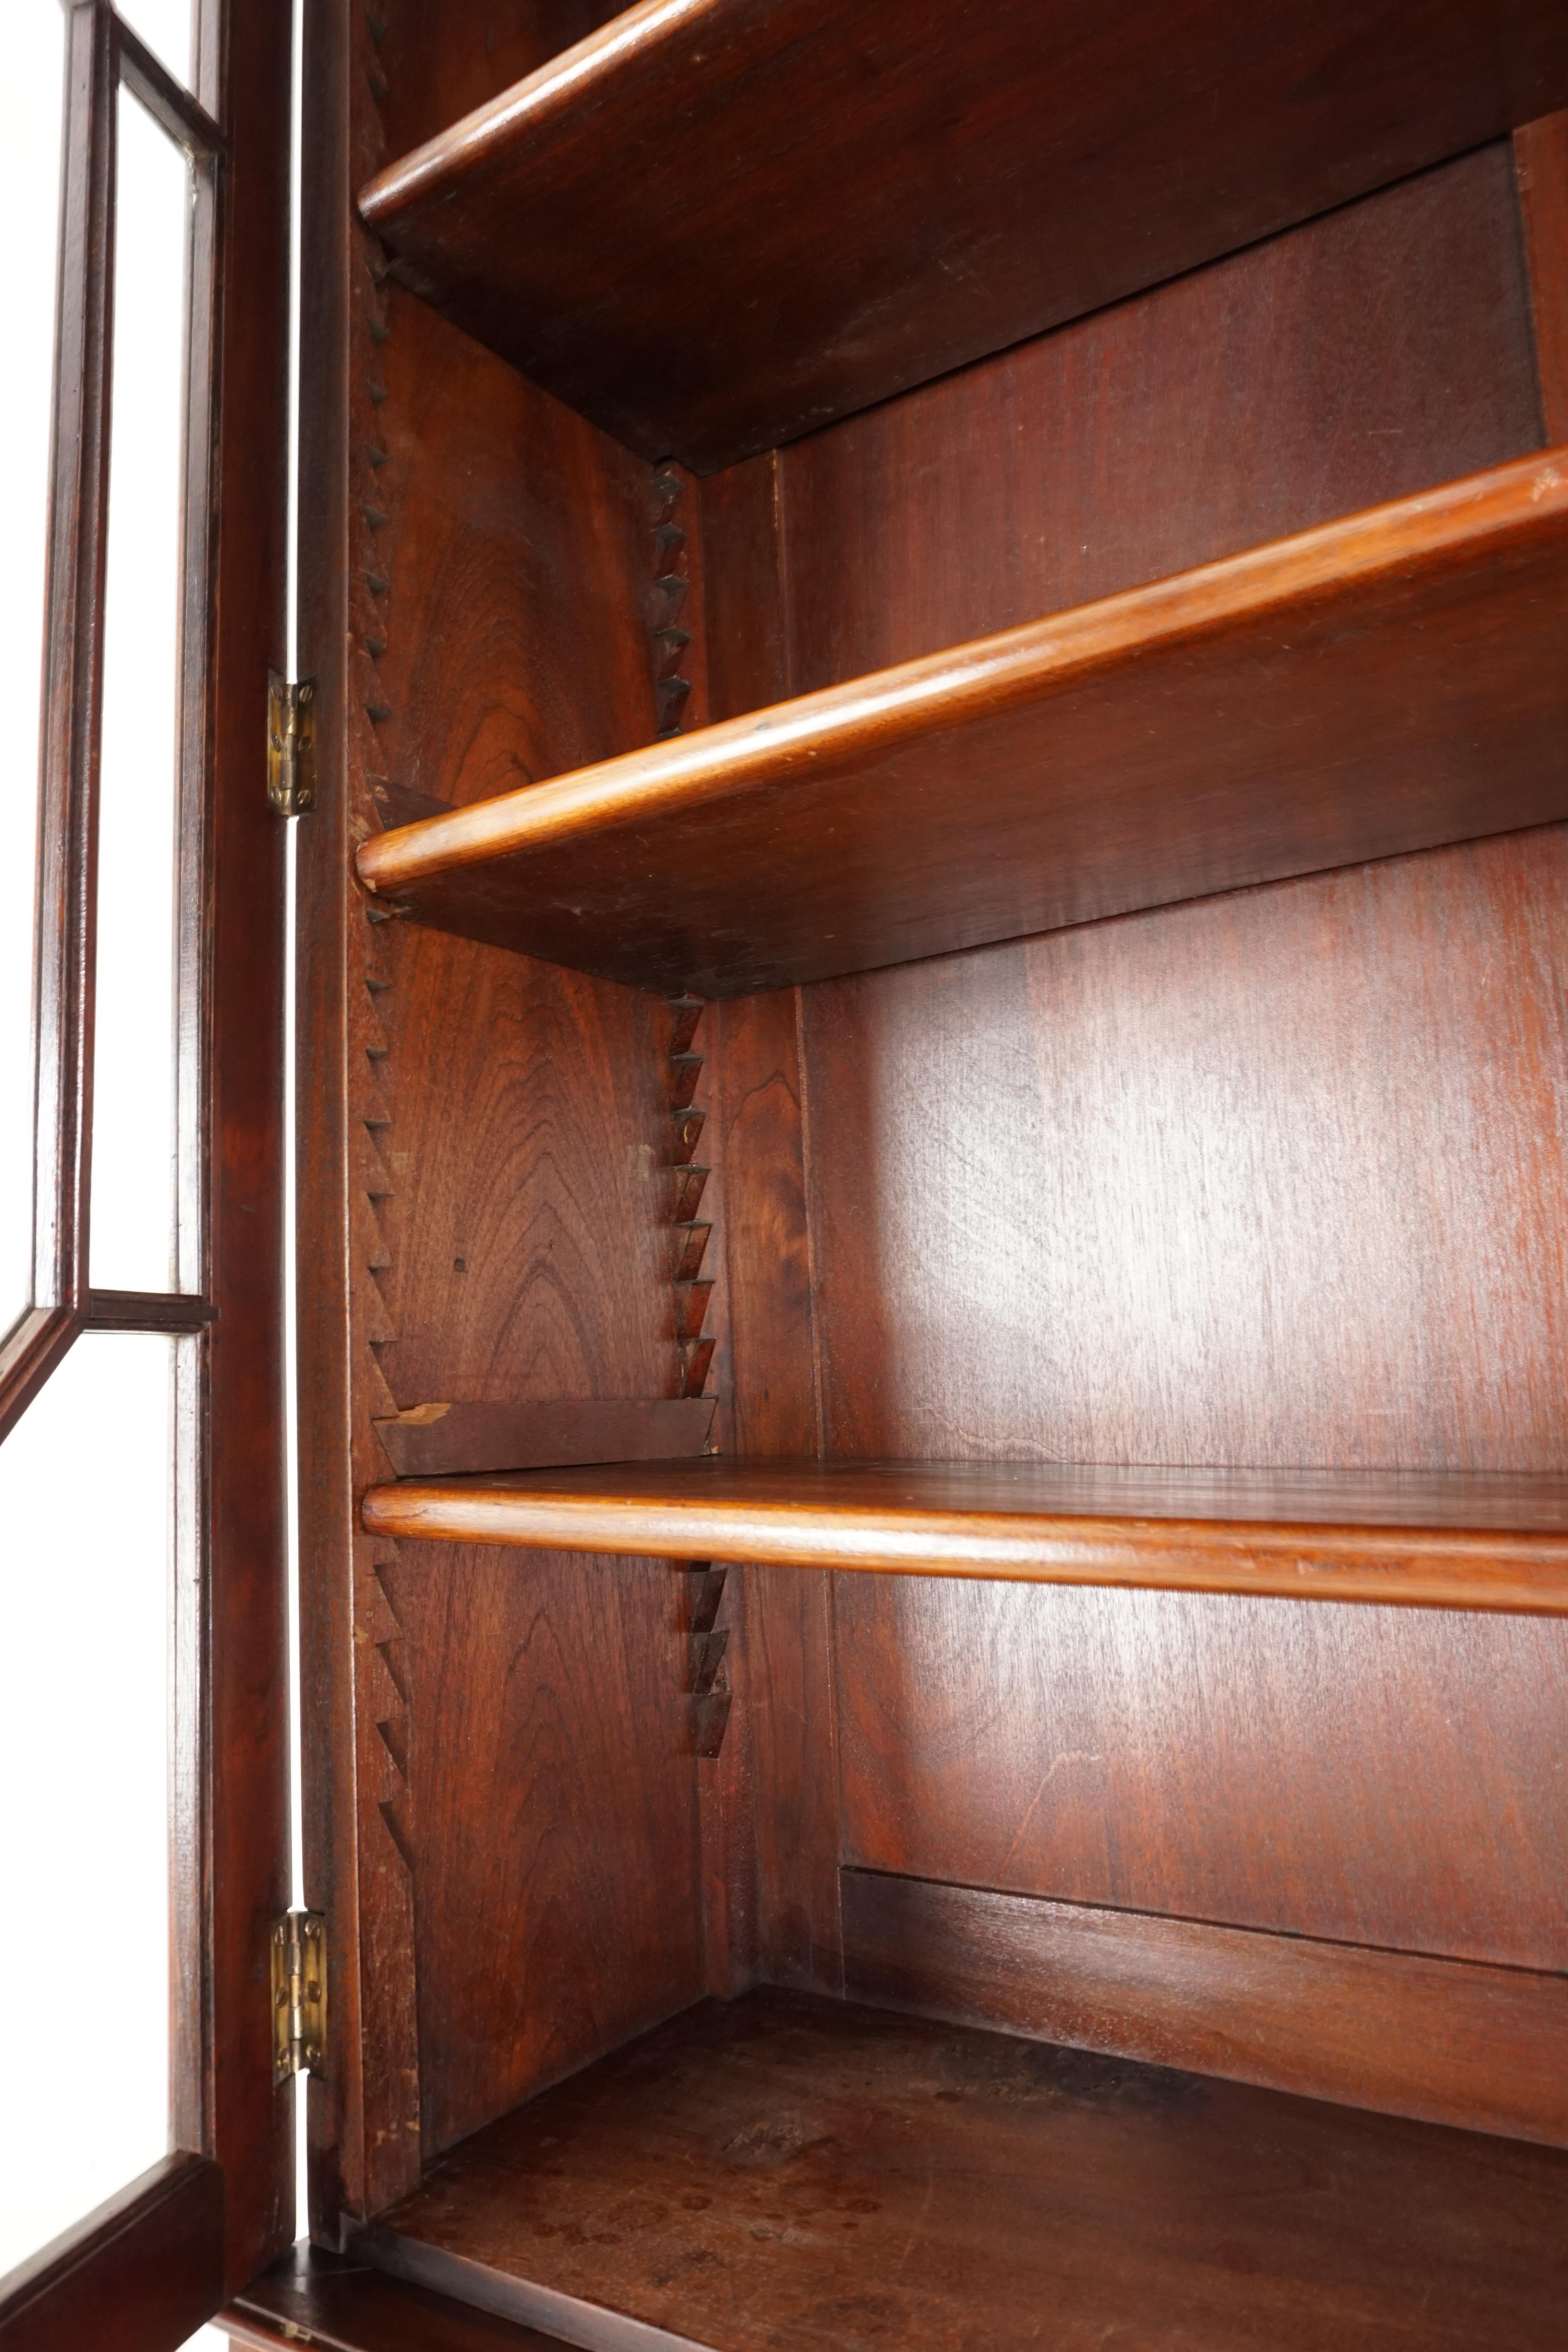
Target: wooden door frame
x=156, y=2259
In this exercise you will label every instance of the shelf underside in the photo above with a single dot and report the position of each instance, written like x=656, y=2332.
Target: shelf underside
x=784, y=2171
x=1459, y=1541
x=1382, y=684
x=673, y=228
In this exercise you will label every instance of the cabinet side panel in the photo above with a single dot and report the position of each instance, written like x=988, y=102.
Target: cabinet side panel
x=1279, y=1178
x=497, y=610
x=481, y=1221
x=553, y=1831
x=1380, y=350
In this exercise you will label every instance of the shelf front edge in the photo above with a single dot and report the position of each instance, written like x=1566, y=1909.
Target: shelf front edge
x=1461, y=521
x=1412, y=1567
x=1384, y=684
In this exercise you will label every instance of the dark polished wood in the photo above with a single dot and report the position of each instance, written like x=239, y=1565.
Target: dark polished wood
x=781, y=1666
x=666, y=227
x=1364, y=356
x=233, y=1758
x=782, y=2172
x=1270, y=1176
x=1110, y=758
x=146, y=1310
x=339, y=2305
x=139, y=2275
x=489, y=1134
x=434, y=1439
x=1541, y=152
x=28, y=1355
x=432, y=65
x=1455, y=1542
x=1484, y=2048
x=1380, y=1778
x=336, y=2305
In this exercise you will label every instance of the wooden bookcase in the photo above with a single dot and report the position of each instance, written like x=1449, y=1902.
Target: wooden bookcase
x=935, y=1164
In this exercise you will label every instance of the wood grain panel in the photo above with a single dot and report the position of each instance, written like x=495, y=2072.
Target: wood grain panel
x=1278, y=1178
x=472, y=582
x=1358, y=358
x=433, y=63
x=554, y=1843
x=523, y=1151
x=513, y=541
x=1296, y=1196
x=1540, y=157
x=779, y=2173
x=441, y=1438
x=1486, y=2049
x=1363, y=1776
x=330, y=2302
x=136, y=2276
x=781, y=1668
x=1379, y=684
x=748, y=628
x=672, y=231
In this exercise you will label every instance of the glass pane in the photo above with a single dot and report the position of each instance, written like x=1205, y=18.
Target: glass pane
x=132, y=1233
x=86, y=1481
x=168, y=27
x=29, y=191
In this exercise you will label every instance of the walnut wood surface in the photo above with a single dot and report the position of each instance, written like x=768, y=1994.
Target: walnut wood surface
x=780, y=2171
x=139, y=2275
x=1360, y=357
x=1381, y=1777
x=328, y=2301
x=1376, y=685
x=480, y=1158
x=432, y=1439
x=668, y=227
x=1484, y=2048
x=1476, y=1543
x=550, y=1816
x=1317, y=1126
x=431, y=64
x=781, y=1664
x=1540, y=151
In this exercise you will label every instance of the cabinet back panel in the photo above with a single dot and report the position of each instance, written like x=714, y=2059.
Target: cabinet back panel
x=1275, y=1178
x=1377, y=350
x=1278, y=1178
x=1383, y=1777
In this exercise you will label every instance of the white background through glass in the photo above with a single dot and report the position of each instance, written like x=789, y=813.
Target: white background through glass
x=132, y=1230
x=30, y=192
x=167, y=27
x=85, y=1588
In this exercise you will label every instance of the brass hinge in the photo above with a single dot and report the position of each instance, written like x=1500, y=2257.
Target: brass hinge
x=298, y=1995
x=290, y=743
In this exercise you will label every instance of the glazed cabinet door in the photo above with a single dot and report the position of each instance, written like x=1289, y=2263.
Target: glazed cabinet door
x=142, y=1651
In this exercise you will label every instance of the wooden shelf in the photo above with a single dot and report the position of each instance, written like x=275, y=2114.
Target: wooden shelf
x=1460, y=1542
x=675, y=228
x=782, y=2172
x=1377, y=685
